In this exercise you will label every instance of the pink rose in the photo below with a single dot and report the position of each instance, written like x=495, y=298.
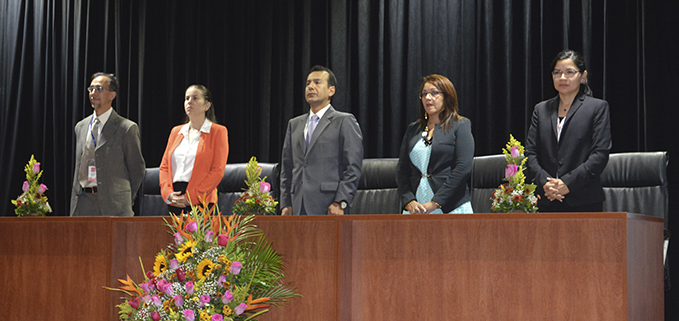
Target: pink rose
x=42, y=188
x=209, y=235
x=192, y=227
x=222, y=239
x=241, y=308
x=188, y=315
x=264, y=187
x=227, y=297
x=36, y=168
x=26, y=186
x=189, y=288
x=515, y=151
x=235, y=268
x=181, y=275
x=217, y=317
x=155, y=316
x=510, y=170
x=178, y=239
x=178, y=300
x=133, y=303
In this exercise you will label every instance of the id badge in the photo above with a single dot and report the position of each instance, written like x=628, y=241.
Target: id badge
x=92, y=173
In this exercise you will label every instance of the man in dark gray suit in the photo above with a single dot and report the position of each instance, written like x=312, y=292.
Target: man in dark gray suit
x=109, y=166
x=322, y=154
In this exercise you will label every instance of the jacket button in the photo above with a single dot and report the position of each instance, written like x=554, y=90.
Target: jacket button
x=561, y=162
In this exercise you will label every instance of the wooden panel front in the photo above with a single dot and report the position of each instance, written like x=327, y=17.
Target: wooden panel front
x=473, y=267
x=54, y=268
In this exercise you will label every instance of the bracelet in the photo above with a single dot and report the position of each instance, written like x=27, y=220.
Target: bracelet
x=406, y=207
x=437, y=204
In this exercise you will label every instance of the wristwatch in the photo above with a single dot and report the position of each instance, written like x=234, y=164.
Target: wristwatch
x=343, y=205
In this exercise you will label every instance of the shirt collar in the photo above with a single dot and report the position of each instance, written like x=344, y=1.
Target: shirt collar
x=104, y=117
x=207, y=124
x=320, y=113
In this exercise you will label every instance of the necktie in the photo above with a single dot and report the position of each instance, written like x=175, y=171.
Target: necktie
x=312, y=126
x=88, y=156
x=95, y=131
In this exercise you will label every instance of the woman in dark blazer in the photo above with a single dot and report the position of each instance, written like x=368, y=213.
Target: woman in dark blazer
x=436, y=154
x=569, y=141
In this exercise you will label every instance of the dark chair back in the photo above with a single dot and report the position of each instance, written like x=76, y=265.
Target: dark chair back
x=377, y=189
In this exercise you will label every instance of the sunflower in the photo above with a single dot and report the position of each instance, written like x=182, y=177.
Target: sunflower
x=185, y=251
x=204, y=268
x=160, y=265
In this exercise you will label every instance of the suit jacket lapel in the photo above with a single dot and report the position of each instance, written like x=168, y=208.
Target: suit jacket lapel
x=322, y=124
x=109, y=129
x=554, y=115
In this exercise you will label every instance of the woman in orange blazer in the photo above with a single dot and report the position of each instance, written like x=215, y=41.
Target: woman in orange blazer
x=196, y=153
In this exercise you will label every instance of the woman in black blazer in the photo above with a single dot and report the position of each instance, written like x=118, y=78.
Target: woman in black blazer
x=436, y=153
x=569, y=141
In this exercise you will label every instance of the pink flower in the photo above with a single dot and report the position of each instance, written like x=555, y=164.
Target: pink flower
x=188, y=315
x=42, y=188
x=204, y=299
x=241, y=308
x=222, y=239
x=221, y=280
x=156, y=300
x=26, y=186
x=189, y=288
x=209, y=235
x=515, y=151
x=181, y=275
x=165, y=287
x=192, y=227
x=178, y=239
x=174, y=264
x=510, y=170
x=264, y=187
x=155, y=316
x=146, y=298
x=227, y=297
x=36, y=168
x=147, y=286
x=217, y=317
x=178, y=301
x=133, y=303
x=235, y=268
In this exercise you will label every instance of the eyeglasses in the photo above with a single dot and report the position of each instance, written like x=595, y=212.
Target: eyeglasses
x=569, y=73
x=98, y=89
x=434, y=94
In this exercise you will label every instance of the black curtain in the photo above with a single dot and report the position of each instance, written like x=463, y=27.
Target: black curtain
x=255, y=55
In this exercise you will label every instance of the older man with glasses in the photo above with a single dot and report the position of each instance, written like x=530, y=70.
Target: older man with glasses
x=109, y=166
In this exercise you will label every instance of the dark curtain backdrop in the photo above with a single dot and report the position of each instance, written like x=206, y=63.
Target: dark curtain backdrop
x=255, y=56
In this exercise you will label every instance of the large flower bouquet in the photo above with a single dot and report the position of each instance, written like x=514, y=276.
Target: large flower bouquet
x=515, y=195
x=218, y=268
x=255, y=199
x=32, y=200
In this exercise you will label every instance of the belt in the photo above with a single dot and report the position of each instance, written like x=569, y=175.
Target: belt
x=92, y=190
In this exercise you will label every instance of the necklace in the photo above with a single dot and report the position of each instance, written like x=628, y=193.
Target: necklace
x=425, y=136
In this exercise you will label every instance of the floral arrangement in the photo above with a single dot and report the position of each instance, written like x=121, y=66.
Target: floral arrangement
x=515, y=195
x=32, y=200
x=218, y=269
x=255, y=199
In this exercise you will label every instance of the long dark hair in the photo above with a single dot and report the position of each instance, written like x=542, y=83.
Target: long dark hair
x=579, y=62
x=207, y=95
x=449, y=114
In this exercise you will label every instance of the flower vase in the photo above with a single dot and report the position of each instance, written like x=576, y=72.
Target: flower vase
x=518, y=212
x=32, y=215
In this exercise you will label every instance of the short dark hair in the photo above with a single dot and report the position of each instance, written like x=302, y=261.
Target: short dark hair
x=332, y=81
x=579, y=62
x=112, y=80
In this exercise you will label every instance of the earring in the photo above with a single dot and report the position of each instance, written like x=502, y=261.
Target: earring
x=426, y=116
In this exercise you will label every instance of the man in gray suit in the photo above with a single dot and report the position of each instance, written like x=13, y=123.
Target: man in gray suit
x=322, y=154
x=109, y=166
